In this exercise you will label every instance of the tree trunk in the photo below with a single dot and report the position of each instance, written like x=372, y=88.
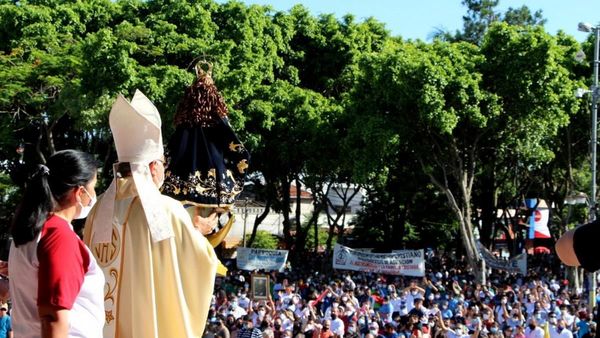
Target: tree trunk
x=50, y=135
x=38, y=148
x=258, y=220
x=302, y=232
x=573, y=276
x=398, y=230
x=285, y=211
x=330, y=232
x=488, y=207
x=298, y=215
x=335, y=223
x=316, y=229
x=460, y=204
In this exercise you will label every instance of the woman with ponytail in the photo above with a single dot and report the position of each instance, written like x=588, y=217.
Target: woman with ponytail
x=55, y=284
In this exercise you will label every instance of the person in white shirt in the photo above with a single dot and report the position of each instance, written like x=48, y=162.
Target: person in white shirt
x=288, y=294
x=502, y=310
x=552, y=324
x=566, y=316
x=530, y=304
x=236, y=310
x=541, y=316
x=287, y=320
x=258, y=315
x=329, y=311
x=561, y=329
x=349, y=283
x=243, y=300
x=412, y=292
x=460, y=331
x=396, y=302
x=337, y=325
x=533, y=330
x=55, y=282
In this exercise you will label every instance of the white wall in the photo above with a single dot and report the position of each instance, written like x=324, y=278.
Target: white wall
x=273, y=222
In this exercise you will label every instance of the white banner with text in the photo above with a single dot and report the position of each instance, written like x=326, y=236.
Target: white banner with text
x=400, y=262
x=261, y=259
x=517, y=264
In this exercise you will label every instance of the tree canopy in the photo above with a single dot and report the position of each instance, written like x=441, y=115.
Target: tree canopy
x=440, y=134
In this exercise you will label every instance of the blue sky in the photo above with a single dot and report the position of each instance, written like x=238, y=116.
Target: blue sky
x=418, y=19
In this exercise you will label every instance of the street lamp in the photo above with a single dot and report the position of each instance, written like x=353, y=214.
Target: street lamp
x=576, y=198
x=594, y=90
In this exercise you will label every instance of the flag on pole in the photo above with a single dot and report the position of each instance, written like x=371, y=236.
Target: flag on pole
x=538, y=221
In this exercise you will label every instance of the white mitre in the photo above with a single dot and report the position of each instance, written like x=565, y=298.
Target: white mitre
x=136, y=129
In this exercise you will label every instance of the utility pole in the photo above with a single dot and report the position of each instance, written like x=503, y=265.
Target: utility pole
x=594, y=90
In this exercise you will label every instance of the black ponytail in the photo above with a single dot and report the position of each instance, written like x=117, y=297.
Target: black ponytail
x=47, y=188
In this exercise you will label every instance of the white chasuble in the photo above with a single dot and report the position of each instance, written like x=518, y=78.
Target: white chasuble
x=153, y=290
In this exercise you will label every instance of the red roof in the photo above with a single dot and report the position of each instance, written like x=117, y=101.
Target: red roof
x=305, y=195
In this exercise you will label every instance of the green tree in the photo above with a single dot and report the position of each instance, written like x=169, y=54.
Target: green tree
x=447, y=100
x=319, y=241
x=263, y=240
x=403, y=211
x=481, y=14
x=320, y=102
x=541, y=100
x=286, y=118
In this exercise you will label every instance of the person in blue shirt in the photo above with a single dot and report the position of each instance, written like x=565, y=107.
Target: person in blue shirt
x=583, y=325
x=453, y=302
x=386, y=309
x=5, y=324
x=445, y=311
x=390, y=331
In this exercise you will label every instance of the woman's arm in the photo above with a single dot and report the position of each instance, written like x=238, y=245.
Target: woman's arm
x=55, y=321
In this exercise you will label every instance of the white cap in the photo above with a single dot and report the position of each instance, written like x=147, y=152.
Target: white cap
x=136, y=129
x=138, y=139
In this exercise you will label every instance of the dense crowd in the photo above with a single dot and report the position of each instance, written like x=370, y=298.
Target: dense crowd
x=447, y=302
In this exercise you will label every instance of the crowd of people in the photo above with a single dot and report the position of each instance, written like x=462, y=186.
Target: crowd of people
x=447, y=302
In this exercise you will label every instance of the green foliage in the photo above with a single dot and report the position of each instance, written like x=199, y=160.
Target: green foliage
x=522, y=16
x=8, y=198
x=404, y=212
x=316, y=99
x=537, y=97
x=481, y=14
x=263, y=240
x=323, y=233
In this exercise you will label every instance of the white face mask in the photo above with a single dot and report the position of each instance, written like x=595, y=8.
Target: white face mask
x=85, y=209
